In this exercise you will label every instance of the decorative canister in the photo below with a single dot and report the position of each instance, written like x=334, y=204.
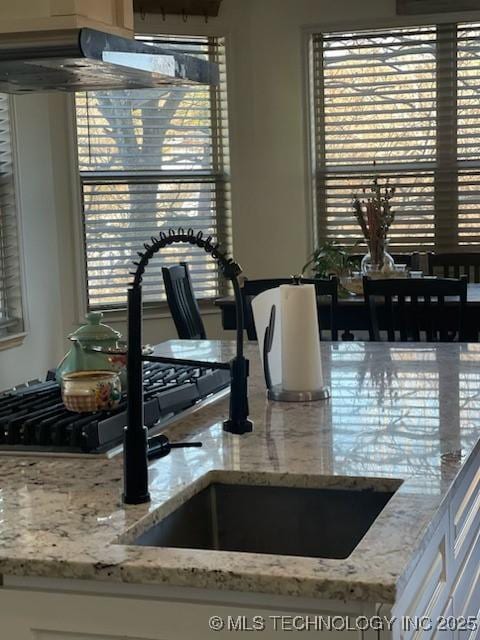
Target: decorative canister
x=88, y=391
x=91, y=344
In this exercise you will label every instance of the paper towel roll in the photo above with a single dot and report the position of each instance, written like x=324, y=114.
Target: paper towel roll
x=301, y=361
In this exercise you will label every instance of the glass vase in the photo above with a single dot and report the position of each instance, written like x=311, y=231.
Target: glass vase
x=377, y=261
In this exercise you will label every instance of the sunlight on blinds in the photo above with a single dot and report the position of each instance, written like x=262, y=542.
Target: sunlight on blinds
x=150, y=160
x=375, y=101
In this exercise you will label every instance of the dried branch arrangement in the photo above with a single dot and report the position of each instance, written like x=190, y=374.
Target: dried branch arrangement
x=375, y=216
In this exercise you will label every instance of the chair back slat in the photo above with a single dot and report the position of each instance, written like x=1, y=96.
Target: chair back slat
x=415, y=310
x=182, y=302
x=402, y=318
x=429, y=332
x=373, y=325
x=443, y=328
x=411, y=308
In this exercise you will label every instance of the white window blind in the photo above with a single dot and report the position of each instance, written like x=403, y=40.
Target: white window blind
x=397, y=98
x=468, y=143
x=151, y=160
x=10, y=271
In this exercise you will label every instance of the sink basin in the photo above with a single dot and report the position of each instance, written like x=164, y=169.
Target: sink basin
x=285, y=520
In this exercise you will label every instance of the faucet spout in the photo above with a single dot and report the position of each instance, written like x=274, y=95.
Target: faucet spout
x=135, y=453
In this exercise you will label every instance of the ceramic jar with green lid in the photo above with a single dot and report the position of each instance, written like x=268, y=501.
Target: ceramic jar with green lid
x=95, y=333
x=82, y=357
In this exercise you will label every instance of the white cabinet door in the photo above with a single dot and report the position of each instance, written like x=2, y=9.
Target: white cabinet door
x=445, y=630
x=48, y=615
x=466, y=594
x=426, y=595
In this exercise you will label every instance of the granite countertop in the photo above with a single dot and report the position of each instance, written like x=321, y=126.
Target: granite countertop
x=401, y=412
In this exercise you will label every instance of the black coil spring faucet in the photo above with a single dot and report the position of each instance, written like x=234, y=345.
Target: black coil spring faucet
x=135, y=457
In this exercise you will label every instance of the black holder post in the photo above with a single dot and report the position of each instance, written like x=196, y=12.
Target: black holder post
x=238, y=421
x=136, y=433
x=135, y=451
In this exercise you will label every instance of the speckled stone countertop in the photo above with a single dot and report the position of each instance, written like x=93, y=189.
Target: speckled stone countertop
x=396, y=412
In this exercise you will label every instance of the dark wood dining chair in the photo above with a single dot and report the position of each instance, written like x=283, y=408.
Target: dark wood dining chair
x=455, y=264
x=327, y=287
x=416, y=309
x=182, y=302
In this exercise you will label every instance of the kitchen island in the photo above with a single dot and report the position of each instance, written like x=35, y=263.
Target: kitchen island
x=402, y=417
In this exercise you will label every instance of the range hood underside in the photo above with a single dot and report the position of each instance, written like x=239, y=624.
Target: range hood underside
x=70, y=74
x=85, y=59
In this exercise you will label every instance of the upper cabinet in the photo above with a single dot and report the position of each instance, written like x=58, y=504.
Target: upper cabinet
x=113, y=16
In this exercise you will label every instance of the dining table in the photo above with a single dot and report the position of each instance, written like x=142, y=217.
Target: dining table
x=353, y=314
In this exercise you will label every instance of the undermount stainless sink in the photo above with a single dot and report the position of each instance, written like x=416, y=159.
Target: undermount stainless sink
x=284, y=520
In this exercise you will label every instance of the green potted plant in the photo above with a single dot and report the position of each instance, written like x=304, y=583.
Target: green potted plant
x=333, y=259
x=329, y=259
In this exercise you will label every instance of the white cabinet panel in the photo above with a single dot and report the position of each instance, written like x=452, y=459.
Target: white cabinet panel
x=426, y=593
x=445, y=633
x=465, y=513
x=466, y=591
x=72, y=616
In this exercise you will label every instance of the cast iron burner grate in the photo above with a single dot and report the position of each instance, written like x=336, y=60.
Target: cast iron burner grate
x=33, y=418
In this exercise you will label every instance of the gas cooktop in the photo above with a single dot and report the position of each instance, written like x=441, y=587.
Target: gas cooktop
x=34, y=419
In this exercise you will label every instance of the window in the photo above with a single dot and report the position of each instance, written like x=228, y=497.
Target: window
x=408, y=100
x=11, y=322
x=151, y=160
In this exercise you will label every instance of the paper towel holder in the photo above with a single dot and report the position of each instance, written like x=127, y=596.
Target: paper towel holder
x=276, y=392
